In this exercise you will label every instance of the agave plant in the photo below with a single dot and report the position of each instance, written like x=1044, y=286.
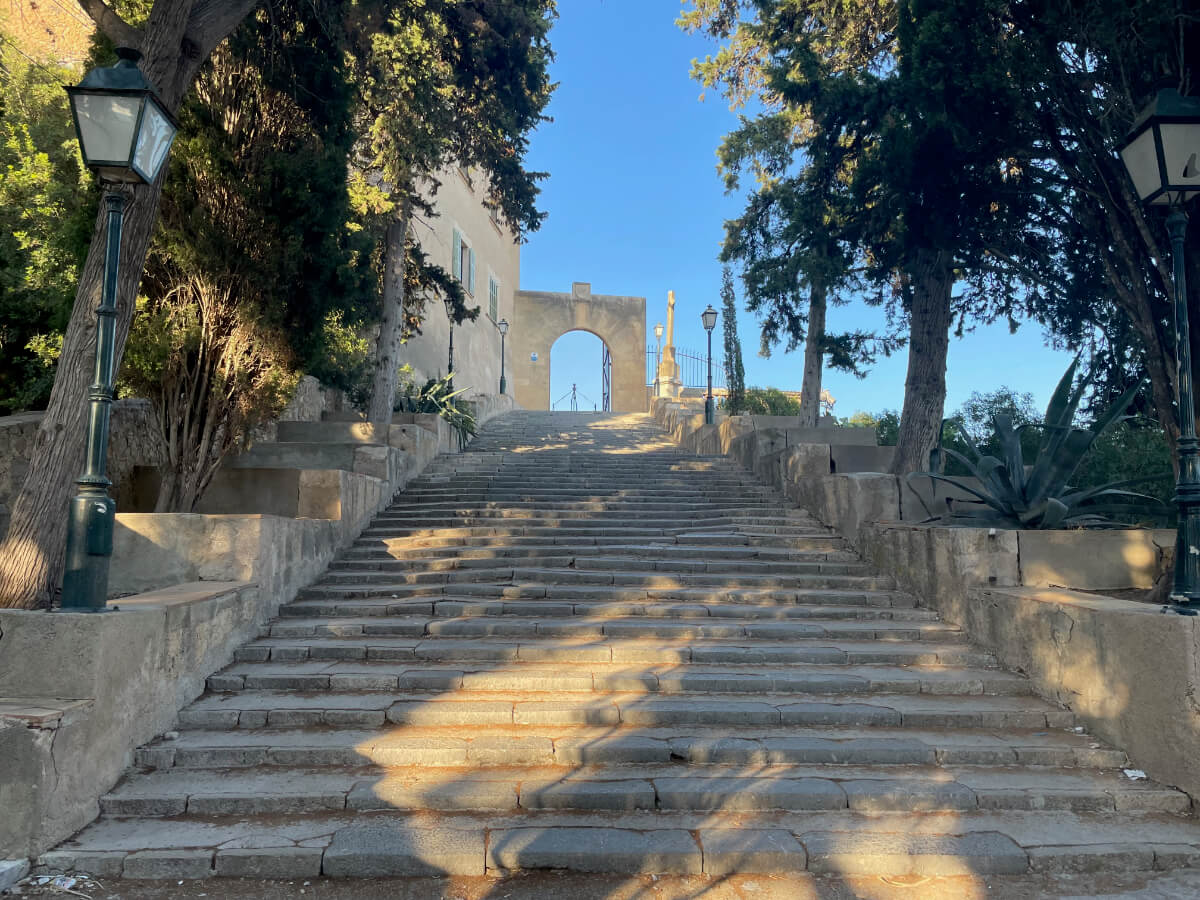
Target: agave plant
x=439, y=396
x=1013, y=494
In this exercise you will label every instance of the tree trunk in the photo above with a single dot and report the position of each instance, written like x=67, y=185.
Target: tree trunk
x=176, y=40
x=814, y=357
x=932, y=278
x=391, y=323
x=34, y=547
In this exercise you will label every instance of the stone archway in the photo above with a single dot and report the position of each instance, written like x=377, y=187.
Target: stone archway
x=541, y=318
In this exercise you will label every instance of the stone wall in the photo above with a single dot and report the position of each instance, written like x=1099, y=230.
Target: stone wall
x=129, y=672
x=134, y=441
x=1127, y=670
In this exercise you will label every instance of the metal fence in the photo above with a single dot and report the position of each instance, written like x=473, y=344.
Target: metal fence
x=693, y=367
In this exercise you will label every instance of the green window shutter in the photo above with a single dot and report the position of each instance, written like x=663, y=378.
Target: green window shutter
x=456, y=255
x=493, y=298
x=471, y=274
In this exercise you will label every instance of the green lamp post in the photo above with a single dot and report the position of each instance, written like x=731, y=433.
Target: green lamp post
x=124, y=133
x=1161, y=155
x=709, y=318
x=502, y=325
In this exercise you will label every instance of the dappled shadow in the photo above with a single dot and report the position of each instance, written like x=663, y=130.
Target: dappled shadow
x=589, y=655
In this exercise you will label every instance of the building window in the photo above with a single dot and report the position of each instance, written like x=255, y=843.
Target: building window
x=493, y=298
x=462, y=260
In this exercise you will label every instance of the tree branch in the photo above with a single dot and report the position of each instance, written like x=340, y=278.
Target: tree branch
x=114, y=27
x=211, y=21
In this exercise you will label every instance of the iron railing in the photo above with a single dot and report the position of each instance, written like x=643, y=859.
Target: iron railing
x=693, y=371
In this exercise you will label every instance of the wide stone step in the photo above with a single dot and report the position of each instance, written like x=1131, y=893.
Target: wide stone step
x=604, y=512
x=729, y=539
x=354, y=844
x=636, y=627
x=280, y=665
x=456, y=492
x=385, y=786
x=711, y=555
x=486, y=747
x=560, y=557
x=379, y=581
x=352, y=625
x=517, y=530
x=817, y=650
x=405, y=599
x=597, y=526
x=308, y=705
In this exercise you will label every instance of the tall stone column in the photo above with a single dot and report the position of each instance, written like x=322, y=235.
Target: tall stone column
x=669, y=383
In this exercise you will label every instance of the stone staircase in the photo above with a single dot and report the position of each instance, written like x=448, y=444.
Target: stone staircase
x=574, y=647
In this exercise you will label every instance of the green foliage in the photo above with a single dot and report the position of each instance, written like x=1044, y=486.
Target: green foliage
x=1041, y=495
x=254, y=274
x=213, y=373
x=769, y=402
x=442, y=83
x=438, y=396
x=886, y=425
x=1133, y=449
x=735, y=371
x=975, y=419
x=47, y=206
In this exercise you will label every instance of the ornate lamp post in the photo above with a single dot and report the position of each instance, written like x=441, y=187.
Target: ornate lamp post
x=1160, y=155
x=658, y=333
x=503, y=326
x=124, y=133
x=709, y=318
x=450, y=358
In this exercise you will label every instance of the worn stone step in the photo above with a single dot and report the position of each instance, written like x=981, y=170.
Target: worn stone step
x=308, y=704
x=607, y=518
x=566, y=558
x=332, y=664
x=712, y=555
x=627, y=650
x=693, y=501
x=730, y=539
x=375, y=582
x=651, y=504
x=597, y=747
x=638, y=627
x=353, y=844
x=376, y=786
x=334, y=600
x=354, y=625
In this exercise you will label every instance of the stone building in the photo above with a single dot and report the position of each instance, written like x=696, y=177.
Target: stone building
x=468, y=240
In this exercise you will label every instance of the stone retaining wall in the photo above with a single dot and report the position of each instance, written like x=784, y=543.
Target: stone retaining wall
x=79, y=691
x=1131, y=672
x=133, y=441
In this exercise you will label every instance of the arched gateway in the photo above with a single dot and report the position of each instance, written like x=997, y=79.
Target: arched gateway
x=541, y=318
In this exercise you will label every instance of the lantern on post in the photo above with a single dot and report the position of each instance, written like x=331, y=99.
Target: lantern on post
x=125, y=133
x=709, y=318
x=1161, y=156
x=502, y=325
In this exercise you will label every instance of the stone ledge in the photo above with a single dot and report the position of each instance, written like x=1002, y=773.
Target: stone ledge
x=1127, y=670
x=82, y=691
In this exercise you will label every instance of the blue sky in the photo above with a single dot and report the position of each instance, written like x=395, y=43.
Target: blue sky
x=636, y=207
